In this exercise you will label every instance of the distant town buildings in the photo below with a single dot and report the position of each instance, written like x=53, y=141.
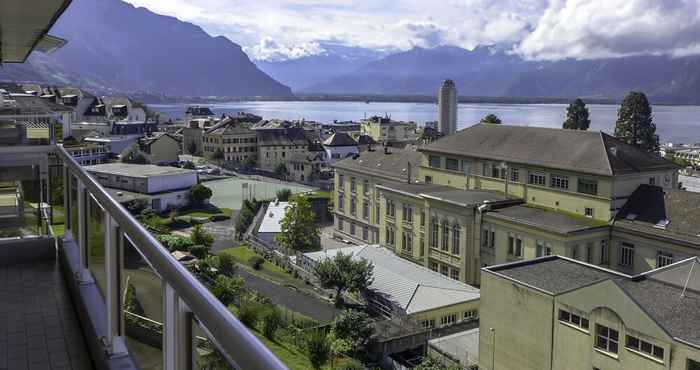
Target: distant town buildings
x=447, y=108
x=389, y=132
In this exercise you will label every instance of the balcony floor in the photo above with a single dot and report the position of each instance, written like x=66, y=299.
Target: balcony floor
x=39, y=328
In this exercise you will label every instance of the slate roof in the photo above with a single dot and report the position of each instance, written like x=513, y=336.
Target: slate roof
x=393, y=165
x=229, y=126
x=340, y=139
x=410, y=286
x=671, y=214
x=573, y=150
x=282, y=136
x=366, y=140
x=445, y=193
x=654, y=292
x=545, y=219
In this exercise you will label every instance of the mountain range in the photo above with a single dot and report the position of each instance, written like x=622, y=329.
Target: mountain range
x=116, y=47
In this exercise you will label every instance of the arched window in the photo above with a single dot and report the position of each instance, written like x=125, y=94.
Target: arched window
x=455, y=238
x=434, y=233
x=445, y=235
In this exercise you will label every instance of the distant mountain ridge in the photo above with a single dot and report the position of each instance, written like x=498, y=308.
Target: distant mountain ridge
x=489, y=71
x=114, y=46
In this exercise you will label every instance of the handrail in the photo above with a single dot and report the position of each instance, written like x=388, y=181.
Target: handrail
x=232, y=336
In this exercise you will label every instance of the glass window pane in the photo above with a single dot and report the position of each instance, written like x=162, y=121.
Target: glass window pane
x=74, y=206
x=143, y=309
x=96, y=243
x=56, y=197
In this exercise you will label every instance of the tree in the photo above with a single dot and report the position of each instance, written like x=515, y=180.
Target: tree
x=218, y=155
x=635, y=124
x=200, y=236
x=227, y=289
x=283, y=195
x=192, y=148
x=298, y=227
x=281, y=170
x=355, y=327
x=198, y=195
x=250, y=162
x=317, y=349
x=134, y=155
x=227, y=264
x=430, y=363
x=577, y=116
x=207, y=270
x=271, y=321
x=491, y=119
x=342, y=273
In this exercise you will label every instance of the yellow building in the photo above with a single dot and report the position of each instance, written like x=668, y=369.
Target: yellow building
x=389, y=132
x=233, y=138
x=561, y=314
x=355, y=198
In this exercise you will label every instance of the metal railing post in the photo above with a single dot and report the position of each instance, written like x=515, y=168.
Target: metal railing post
x=83, y=214
x=177, y=331
x=66, y=203
x=113, y=269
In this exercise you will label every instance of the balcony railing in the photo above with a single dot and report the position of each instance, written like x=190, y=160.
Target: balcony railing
x=104, y=231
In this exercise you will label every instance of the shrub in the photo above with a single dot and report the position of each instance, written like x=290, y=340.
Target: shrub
x=189, y=164
x=350, y=365
x=199, y=251
x=271, y=321
x=317, y=349
x=283, y=195
x=217, y=218
x=248, y=314
x=227, y=264
x=256, y=262
x=201, y=237
x=227, y=289
x=175, y=242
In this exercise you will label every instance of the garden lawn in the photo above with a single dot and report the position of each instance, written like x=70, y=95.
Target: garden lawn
x=273, y=272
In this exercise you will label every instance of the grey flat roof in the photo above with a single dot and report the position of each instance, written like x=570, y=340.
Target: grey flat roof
x=547, y=219
x=660, y=297
x=138, y=170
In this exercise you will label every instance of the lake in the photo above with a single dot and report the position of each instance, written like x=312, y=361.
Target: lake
x=674, y=123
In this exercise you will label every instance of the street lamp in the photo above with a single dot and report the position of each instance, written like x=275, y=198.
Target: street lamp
x=493, y=349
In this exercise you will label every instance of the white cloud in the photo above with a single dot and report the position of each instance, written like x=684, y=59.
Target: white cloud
x=540, y=29
x=611, y=28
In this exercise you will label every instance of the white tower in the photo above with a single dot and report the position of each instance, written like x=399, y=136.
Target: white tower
x=447, y=108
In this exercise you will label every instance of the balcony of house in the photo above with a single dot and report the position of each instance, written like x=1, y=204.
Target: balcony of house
x=83, y=285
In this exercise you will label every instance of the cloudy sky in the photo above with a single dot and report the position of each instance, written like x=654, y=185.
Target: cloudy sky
x=536, y=29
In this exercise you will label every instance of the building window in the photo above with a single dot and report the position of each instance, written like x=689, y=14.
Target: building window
x=652, y=181
x=341, y=202
x=645, y=347
x=434, y=233
x=587, y=186
x=542, y=249
x=604, y=257
x=559, y=181
x=365, y=233
x=377, y=214
x=448, y=320
x=492, y=240
x=365, y=187
x=589, y=252
x=588, y=212
x=693, y=365
x=573, y=319
x=514, y=175
x=390, y=236
x=455, y=239
x=422, y=218
x=407, y=241
x=470, y=315
x=511, y=245
x=428, y=324
x=365, y=209
x=574, y=252
x=606, y=338
x=515, y=246
x=352, y=229
x=353, y=206
x=663, y=259
x=407, y=213
x=341, y=182
x=434, y=161
x=353, y=185
x=340, y=224
x=537, y=178
x=421, y=246
x=434, y=266
x=390, y=208
x=625, y=255
x=454, y=273
x=445, y=235
x=452, y=164
x=428, y=179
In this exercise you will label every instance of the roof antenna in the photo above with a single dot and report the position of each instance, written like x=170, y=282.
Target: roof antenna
x=687, y=280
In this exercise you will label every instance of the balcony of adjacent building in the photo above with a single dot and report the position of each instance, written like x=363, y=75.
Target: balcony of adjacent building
x=83, y=285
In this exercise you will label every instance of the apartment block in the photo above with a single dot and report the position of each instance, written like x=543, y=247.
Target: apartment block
x=563, y=314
